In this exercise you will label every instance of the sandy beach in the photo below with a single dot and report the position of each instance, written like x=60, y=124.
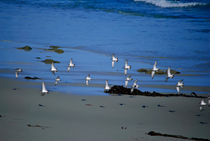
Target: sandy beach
x=26, y=115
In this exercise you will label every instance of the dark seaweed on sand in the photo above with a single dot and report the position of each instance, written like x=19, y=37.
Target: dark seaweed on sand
x=32, y=78
x=153, y=133
x=116, y=89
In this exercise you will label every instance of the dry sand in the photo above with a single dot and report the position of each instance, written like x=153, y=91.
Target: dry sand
x=69, y=117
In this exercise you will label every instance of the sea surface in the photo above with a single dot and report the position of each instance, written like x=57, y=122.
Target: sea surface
x=175, y=33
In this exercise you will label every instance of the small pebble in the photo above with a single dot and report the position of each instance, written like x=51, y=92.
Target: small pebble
x=203, y=122
x=171, y=111
x=41, y=105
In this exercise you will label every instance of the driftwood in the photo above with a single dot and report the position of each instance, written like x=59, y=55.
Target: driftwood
x=153, y=133
x=127, y=91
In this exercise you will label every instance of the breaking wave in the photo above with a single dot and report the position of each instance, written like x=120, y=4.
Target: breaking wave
x=170, y=4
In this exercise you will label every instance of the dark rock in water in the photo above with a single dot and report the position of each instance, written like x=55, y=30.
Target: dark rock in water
x=55, y=49
x=116, y=89
x=32, y=78
x=50, y=61
x=26, y=48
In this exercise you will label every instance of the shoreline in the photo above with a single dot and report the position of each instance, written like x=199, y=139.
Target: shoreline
x=26, y=115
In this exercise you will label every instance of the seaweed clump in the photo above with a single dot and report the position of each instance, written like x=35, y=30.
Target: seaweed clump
x=25, y=48
x=32, y=78
x=50, y=61
x=160, y=72
x=55, y=49
x=153, y=133
x=127, y=91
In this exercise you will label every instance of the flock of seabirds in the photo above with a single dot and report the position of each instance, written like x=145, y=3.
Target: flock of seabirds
x=179, y=85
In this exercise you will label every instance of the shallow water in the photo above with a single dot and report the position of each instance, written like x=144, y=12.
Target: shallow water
x=175, y=33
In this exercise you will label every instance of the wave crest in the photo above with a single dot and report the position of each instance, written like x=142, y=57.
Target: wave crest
x=169, y=4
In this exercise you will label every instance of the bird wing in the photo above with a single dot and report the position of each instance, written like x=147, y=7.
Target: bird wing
x=153, y=74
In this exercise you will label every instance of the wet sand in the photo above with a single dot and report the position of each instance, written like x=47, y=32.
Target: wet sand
x=26, y=115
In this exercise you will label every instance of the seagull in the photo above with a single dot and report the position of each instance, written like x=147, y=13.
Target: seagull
x=57, y=80
x=169, y=75
x=154, y=69
x=71, y=65
x=17, y=71
x=107, y=87
x=128, y=78
x=179, y=85
x=44, y=90
x=87, y=79
x=114, y=59
x=134, y=86
x=203, y=103
x=53, y=69
x=127, y=67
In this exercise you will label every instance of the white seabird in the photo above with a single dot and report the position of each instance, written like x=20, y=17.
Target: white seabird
x=179, y=85
x=58, y=79
x=203, y=103
x=126, y=67
x=169, y=75
x=128, y=78
x=134, y=86
x=154, y=69
x=44, y=90
x=53, y=68
x=17, y=71
x=71, y=65
x=114, y=59
x=87, y=79
x=107, y=87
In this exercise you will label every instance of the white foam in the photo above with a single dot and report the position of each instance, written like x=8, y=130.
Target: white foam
x=169, y=4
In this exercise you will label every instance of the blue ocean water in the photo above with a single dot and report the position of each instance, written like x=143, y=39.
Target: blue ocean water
x=176, y=33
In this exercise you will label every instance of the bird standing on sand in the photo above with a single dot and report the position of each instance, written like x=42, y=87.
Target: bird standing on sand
x=58, y=79
x=169, y=75
x=127, y=67
x=134, y=86
x=128, y=78
x=179, y=85
x=87, y=79
x=114, y=59
x=154, y=69
x=53, y=68
x=71, y=65
x=107, y=87
x=44, y=90
x=202, y=104
x=17, y=71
